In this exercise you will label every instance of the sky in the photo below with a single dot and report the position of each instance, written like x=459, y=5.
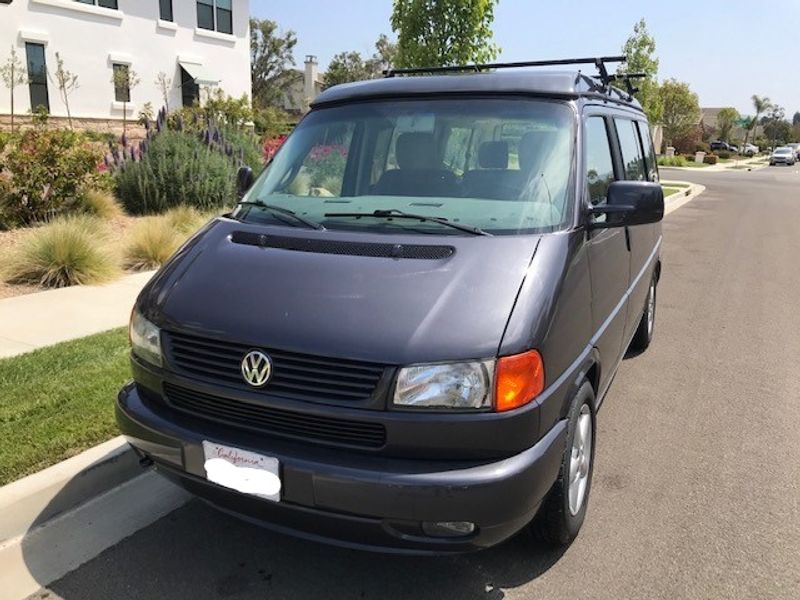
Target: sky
x=727, y=50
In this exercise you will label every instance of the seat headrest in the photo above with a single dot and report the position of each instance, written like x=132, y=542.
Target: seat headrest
x=416, y=150
x=534, y=147
x=493, y=155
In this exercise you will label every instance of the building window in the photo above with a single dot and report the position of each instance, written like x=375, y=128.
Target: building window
x=190, y=91
x=122, y=89
x=216, y=15
x=101, y=3
x=165, y=10
x=37, y=76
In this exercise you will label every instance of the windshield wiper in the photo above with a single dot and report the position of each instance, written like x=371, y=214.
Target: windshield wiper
x=394, y=213
x=284, y=211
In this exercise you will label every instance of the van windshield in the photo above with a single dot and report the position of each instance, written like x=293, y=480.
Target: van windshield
x=501, y=165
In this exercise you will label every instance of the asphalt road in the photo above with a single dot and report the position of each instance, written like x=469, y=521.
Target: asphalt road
x=697, y=482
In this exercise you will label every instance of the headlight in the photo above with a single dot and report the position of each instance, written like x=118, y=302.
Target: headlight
x=145, y=339
x=456, y=385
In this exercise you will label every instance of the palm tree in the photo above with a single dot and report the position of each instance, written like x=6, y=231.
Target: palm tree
x=761, y=104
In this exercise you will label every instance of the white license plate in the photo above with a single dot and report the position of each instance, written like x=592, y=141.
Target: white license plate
x=243, y=471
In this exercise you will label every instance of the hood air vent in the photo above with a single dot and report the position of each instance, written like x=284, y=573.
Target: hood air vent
x=318, y=246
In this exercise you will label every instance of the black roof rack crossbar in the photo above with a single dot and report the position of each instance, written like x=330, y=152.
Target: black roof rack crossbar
x=599, y=62
x=628, y=78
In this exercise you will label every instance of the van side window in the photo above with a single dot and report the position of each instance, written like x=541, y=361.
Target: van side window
x=649, y=151
x=599, y=164
x=632, y=159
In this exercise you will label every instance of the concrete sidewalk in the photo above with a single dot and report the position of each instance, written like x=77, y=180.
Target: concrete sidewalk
x=36, y=320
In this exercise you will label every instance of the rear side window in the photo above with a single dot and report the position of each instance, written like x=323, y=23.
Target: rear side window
x=632, y=159
x=649, y=151
x=599, y=164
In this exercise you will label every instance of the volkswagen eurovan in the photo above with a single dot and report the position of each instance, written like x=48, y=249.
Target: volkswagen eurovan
x=401, y=337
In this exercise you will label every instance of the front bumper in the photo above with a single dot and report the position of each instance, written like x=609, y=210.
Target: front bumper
x=353, y=499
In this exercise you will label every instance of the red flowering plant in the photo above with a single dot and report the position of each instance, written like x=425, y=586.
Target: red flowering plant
x=271, y=146
x=325, y=165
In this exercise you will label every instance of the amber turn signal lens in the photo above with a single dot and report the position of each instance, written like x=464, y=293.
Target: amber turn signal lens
x=519, y=379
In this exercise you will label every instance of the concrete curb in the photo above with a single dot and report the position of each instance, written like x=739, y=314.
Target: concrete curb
x=53, y=521
x=38, y=498
x=674, y=201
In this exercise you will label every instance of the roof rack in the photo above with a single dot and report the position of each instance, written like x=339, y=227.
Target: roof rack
x=627, y=79
x=599, y=62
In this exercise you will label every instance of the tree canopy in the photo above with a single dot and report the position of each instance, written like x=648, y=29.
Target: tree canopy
x=350, y=66
x=443, y=32
x=726, y=119
x=640, y=50
x=681, y=109
x=271, y=61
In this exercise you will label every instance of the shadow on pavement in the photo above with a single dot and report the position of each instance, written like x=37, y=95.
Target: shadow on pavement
x=197, y=552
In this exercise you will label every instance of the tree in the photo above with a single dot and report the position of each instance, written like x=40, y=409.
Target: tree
x=67, y=83
x=726, y=119
x=776, y=127
x=796, y=118
x=125, y=79
x=681, y=109
x=164, y=85
x=349, y=66
x=761, y=104
x=271, y=61
x=13, y=74
x=443, y=32
x=640, y=49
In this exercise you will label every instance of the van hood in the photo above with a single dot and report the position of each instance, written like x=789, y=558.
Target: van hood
x=317, y=300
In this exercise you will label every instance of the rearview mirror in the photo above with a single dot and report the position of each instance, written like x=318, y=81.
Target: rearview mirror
x=629, y=203
x=244, y=180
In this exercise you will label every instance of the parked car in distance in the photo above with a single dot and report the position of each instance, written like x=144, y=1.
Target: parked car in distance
x=750, y=149
x=733, y=148
x=718, y=145
x=782, y=156
x=795, y=148
x=400, y=338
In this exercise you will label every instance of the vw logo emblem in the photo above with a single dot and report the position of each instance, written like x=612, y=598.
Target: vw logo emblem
x=256, y=368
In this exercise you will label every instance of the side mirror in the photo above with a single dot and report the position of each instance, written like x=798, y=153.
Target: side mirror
x=629, y=203
x=244, y=180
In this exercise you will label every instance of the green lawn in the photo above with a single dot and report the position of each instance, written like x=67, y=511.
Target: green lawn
x=58, y=401
x=668, y=191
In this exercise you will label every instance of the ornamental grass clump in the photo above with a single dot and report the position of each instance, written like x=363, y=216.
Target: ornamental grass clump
x=101, y=204
x=151, y=243
x=67, y=251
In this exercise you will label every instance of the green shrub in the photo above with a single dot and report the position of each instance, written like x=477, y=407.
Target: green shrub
x=672, y=161
x=271, y=122
x=184, y=219
x=702, y=147
x=710, y=159
x=151, y=243
x=177, y=168
x=101, y=203
x=724, y=154
x=67, y=251
x=50, y=169
x=5, y=191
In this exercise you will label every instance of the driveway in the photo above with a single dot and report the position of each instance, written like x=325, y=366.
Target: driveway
x=697, y=482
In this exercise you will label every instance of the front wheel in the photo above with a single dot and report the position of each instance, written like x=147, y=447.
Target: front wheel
x=644, y=332
x=564, y=509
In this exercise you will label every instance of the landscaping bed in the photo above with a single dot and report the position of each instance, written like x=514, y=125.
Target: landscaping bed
x=76, y=211
x=59, y=401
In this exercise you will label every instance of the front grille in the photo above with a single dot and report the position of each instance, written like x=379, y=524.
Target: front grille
x=348, y=248
x=296, y=376
x=275, y=421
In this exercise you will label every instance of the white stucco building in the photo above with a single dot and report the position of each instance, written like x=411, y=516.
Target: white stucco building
x=196, y=43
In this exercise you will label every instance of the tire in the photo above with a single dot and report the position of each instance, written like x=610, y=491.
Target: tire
x=644, y=332
x=561, y=515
